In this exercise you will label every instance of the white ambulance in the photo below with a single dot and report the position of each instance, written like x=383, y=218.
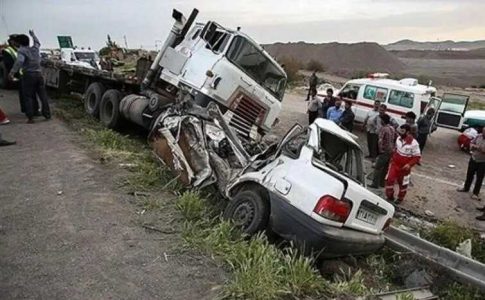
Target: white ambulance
x=402, y=96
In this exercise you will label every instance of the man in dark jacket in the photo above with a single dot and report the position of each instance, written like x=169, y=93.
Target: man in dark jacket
x=312, y=82
x=424, y=128
x=28, y=59
x=9, y=56
x=348, y=116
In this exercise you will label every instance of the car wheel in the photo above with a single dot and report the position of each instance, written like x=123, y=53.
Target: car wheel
x=109, y=109
x=249, y=211
x=92, y=98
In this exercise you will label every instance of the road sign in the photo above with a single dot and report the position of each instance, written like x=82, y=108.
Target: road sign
x=65, y=42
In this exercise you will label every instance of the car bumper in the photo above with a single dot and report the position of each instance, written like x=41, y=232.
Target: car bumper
x=329, y=241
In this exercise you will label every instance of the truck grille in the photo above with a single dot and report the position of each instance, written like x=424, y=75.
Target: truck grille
x=246, y=114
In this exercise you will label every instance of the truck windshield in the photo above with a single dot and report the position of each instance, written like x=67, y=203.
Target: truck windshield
x=340, y=155
x=85, y=55
x=258, y=66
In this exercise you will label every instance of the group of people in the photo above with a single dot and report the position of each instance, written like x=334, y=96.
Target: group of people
x=393, y=148
x=22, y=62
x=331, y=108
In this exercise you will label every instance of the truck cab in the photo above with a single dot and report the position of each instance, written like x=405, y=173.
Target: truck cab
x=228, y=67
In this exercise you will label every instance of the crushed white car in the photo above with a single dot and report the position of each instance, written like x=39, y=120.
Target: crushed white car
x=309, y=188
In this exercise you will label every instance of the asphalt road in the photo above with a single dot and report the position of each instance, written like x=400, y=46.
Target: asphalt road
x=67, y=231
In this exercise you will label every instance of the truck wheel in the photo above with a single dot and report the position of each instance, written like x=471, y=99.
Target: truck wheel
x=249, y=211
x=92, y=98
x=109, y=109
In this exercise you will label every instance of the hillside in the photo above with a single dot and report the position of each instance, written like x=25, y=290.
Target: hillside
x=340, y=58
x=443, y=45
x=439, y=54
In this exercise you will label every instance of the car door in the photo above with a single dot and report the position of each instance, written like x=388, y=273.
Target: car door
x=433, y=103
x=451, y=110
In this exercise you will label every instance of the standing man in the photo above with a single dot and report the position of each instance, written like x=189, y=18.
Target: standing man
x=32, y=81
x=386, y=142
x=335, y=112
x=424, y=128
x=411, y=121
x=476, y=166
x=348, y=116
x=405, y=156
x=9, y=56
x=313, y=107
x=312, y=82
x=328, y=101
x=371, y=130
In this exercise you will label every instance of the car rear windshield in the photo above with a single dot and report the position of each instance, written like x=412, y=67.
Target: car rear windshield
x=258, y=66
x=340, y=155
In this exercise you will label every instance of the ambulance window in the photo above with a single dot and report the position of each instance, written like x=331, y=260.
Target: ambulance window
x=350, y=91
x=375, y=93
x=401, y=98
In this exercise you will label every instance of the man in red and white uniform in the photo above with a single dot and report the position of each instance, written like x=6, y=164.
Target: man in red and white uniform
x=405, y=156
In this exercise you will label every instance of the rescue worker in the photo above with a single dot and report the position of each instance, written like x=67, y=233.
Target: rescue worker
x=312, y=82
x=313, y=107
x=424, y=128
x=371, y=130
x=476, y=166
x=9, y=56
x=406, y=155
x=386, y=142
x=28, y=59
x=3, y=118
x=347, y=118
x=328, y=101
x=335, y=112
x=466, y=137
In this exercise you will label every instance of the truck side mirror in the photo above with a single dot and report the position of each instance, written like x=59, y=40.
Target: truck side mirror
x=209, y=31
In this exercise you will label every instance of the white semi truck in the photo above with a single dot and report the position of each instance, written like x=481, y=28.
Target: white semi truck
x=203, y=62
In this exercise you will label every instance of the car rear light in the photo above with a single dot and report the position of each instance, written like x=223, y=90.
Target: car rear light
x=333, y=208
x=388, y=223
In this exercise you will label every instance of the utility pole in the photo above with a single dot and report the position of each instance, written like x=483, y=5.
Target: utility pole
x=126, y=43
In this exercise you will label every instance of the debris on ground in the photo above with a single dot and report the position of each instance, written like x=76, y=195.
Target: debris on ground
x=465, y=248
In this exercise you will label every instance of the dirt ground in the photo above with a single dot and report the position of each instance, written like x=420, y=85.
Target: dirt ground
x=434, y=182
x=68, y=232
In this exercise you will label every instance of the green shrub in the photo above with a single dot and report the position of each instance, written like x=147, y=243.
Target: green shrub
x=314, y=65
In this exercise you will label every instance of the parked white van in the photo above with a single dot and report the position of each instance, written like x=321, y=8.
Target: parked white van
x=400, y=96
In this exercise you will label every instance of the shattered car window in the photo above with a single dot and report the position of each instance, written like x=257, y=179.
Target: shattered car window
x=340, y=156
x=293, y=147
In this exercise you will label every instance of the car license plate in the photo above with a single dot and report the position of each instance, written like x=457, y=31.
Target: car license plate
x=367, y=216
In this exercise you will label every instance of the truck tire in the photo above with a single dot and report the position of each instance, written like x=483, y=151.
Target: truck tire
x=92, y=98
x=249, y=211
x=109, y=109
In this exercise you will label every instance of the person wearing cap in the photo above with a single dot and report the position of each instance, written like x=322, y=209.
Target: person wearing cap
x=406, y=154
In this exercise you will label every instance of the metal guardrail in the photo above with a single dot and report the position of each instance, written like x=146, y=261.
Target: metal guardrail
x=462, y=268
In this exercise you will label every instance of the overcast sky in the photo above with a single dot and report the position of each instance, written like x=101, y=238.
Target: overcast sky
x=145, y=21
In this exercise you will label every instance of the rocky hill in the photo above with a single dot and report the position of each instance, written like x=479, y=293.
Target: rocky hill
x=442, y=45
x=338, y=57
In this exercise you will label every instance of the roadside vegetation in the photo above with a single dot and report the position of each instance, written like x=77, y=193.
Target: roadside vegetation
x=259, y=269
